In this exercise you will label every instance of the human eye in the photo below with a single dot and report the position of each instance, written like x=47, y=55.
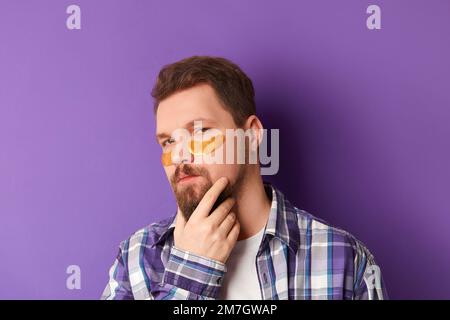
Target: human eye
x=201, y=130
x=166, y=142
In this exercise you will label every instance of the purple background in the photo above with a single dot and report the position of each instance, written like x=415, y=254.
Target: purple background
x=364, y=118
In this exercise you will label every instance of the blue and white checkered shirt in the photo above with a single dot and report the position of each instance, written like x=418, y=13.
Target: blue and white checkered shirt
x=300, y=257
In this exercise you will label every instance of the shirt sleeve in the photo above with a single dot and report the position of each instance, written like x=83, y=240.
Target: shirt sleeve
x=118, y=287
x=368, y=284
x=192, y=277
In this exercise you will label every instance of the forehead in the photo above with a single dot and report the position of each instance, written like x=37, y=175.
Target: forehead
x=183, y=107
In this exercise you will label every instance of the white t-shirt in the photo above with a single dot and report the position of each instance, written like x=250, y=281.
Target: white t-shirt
x=241, y=279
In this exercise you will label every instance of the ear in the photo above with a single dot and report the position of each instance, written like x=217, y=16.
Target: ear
x=256, y=131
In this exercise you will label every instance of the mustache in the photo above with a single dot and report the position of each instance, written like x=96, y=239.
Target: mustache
x=187, y=170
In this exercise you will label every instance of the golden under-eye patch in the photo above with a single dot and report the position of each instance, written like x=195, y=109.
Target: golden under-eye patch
x=166, y=158
x=201, y=147
x=196, y=147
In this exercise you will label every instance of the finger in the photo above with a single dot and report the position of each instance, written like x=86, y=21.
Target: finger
x=210, y=197
x=227, y=224
x=234, y=233
x=221, y=212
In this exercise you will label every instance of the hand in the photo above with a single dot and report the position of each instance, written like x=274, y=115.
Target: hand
x=210, y=235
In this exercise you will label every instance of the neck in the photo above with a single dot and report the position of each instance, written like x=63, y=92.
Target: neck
x=252, y=206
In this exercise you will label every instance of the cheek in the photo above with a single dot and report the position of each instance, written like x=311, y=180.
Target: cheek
x=235, y=151
x=169, y=170
x=217, y=171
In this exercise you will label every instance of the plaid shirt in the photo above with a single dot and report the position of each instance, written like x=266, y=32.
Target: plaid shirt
x=300, y=257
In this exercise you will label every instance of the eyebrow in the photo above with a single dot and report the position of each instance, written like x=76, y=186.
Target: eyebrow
x=187, y=125
x=161, y=136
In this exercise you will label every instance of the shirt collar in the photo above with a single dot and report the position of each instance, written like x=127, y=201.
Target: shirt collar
x=283, y=219
x=281, y=224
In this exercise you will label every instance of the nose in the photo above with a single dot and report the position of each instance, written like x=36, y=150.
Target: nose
x=181, y=154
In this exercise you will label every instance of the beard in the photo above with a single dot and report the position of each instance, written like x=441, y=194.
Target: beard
x=189, y=196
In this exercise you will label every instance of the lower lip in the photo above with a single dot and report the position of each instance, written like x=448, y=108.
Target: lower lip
x=186, y=179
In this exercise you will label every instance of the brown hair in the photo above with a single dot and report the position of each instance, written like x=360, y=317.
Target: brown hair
x=232, y=86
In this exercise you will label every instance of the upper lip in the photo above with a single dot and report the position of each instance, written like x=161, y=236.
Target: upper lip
x=185, y=175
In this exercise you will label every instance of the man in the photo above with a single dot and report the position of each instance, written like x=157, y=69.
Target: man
x=233, y=236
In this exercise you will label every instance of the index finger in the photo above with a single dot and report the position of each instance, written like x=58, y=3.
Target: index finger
x=210, y=197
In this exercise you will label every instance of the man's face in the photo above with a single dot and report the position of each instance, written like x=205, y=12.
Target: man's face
x=190, y=181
